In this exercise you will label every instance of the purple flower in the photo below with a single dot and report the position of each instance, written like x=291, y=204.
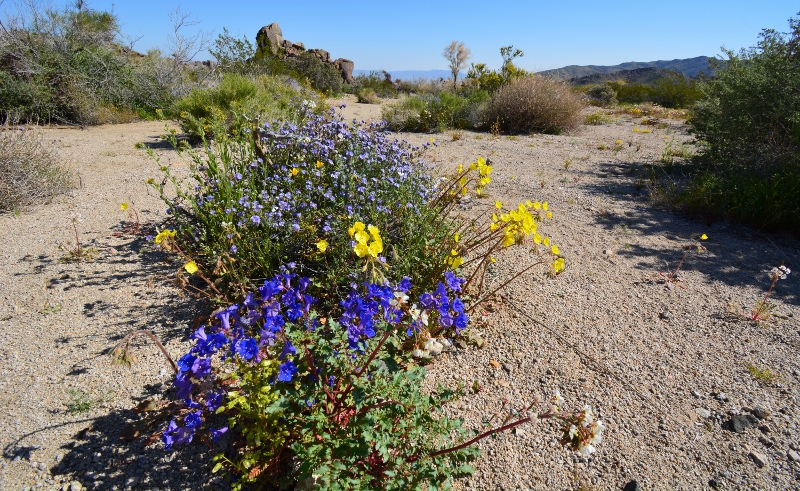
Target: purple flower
x=216, y=434
x=255, y=219
x=288, y=349
x=186, y=362
x=453, y=281
x=247, y=348
x=193, y=419
x=183, y=386
x=405, y=284
x=428, y=301
x=286, y=371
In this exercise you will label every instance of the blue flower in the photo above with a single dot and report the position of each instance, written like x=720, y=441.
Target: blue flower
x=247, y=348
x=186, y=362
x=286, y=371
x=193, y=419
x=405, y=284
x=453, y=281
x=183, y=386
x=288, y=349
x=216, y=434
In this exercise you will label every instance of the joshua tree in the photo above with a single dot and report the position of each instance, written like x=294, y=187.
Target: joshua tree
x=457, y=54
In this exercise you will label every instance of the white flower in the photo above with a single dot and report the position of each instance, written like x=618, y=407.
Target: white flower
x=586, y=450
x=588, y=417
x=533, y=415
x=418, y=353
x=557, y=399
x=573, y=430
x=400, y=298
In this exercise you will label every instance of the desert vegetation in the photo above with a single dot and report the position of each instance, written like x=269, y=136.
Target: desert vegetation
x=333, y=265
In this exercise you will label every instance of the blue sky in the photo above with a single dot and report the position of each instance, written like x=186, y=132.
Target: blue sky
x=411, y=35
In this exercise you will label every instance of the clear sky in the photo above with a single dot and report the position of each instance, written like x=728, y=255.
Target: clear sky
x=411, y=34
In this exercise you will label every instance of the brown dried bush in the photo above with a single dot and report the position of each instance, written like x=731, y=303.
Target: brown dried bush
x=535, y=104
x=30, y=173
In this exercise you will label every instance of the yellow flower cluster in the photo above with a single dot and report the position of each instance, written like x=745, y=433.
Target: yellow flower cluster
x=522, y=223
x=163, y=236
x=368, y=240
x=454, y=260
x=484, y=170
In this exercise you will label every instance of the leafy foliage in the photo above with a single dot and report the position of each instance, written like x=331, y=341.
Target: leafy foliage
x=207, y=112
x=69, y=67
x=748, y=121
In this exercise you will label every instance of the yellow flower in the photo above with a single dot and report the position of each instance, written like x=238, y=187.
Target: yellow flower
x=555, y=250
x=322, y=245
x=357, y=227
x=558, y=265
x=498, y=205
x=460, y=168
x=537, y=205
x=528, y=203
x=123, y=206
x=362, y=237
x=618, y=142
x=704, y=237
x=376, y=247
x=544, y=206
x=492, y=259
x=374, y=232
x=164, y=235
x=549, y=214
x=546, y=241
x=191, y=267
x=319, y=164
x=537, y=239
x=295, y=171
x=360, y=249
x=457, y=237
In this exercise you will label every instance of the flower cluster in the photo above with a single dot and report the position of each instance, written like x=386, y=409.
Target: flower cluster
x=483, y=179
x=254, y=334
x=522, y=223
x=249, y=333
x=779, y=273
x=366, y=243
x=584, y=432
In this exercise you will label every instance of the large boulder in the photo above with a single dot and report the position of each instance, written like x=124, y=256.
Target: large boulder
x=270, y=40
x=270, y=37
x=346, y=69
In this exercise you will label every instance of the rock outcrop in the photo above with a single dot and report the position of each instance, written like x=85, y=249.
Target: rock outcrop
x=270, y=40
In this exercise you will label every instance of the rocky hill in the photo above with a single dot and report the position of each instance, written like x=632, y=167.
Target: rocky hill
x=691, y=67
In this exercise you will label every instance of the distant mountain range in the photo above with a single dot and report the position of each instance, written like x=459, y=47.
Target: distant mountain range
x=413, y=74
x=691, y=67
x=634, y=71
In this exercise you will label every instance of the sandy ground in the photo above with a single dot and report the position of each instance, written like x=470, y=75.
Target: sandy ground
x=666, y=370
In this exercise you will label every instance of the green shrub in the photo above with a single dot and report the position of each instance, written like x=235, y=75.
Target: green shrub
x=750, y=170
x=68, y=67
x=322, y=76
x=602, y=95
x=211, y=111
x=367, y=96
x=483, y=79
x=30, y=173
x=535, y=104
x=437, y=112
x=378, y=82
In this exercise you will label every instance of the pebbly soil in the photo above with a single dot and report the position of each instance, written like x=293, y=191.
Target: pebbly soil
x=664, y=369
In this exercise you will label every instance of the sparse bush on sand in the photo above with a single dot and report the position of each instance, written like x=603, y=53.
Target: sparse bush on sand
x=535, y=104
x=30, y=173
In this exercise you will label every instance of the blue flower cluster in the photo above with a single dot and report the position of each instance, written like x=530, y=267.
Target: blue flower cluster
x=255, y=330
x=319, y=174
x=246, y=333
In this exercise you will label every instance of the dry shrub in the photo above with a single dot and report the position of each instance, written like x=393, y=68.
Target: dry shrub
x=30, y=173
x=535, y=104
x=367, y=96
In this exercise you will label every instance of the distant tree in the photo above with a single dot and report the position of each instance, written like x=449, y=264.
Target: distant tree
x=457, y=54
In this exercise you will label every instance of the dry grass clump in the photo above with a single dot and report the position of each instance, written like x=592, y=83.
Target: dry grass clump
x=535, y=104
x=30, y=173
x=367, y=96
